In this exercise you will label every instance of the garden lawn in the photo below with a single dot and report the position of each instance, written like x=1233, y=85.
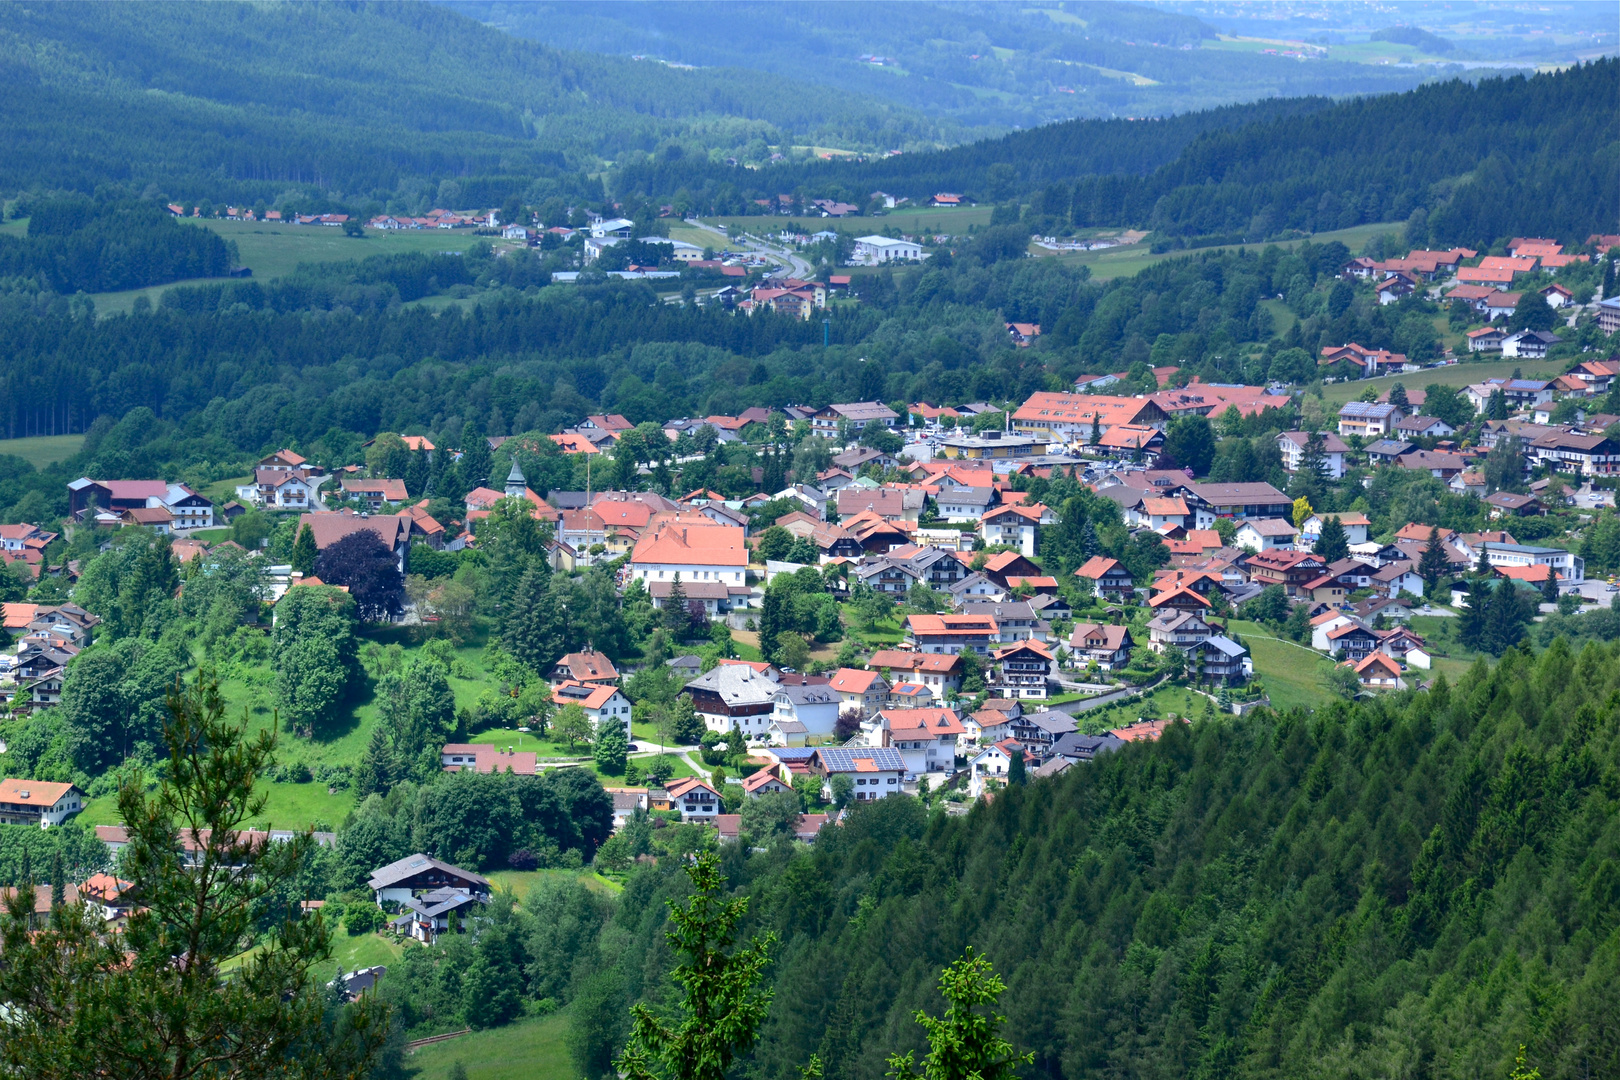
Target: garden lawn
x=1291, y=672
x=355, y=951
x=521, y=881
x=530, y=1049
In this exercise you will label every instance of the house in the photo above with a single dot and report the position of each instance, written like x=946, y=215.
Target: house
x=1566, y=564
x=1519, y=394
x=485, y=758
x=1220, y=659
x=1355, y=529
x=710, y=555
x=1424, y=427
x=926, y=738
x=1368, y=418
x=814, y=706
x=1266, y=534
x=1529, y=344
x=1108, y=577
x=960, y=504
x=1015, y=525
x=1506, y=504
x=1445, y=466
x=329, y=527
x=1386, y=451
x=735, y=695
x=604, y=705
x=764, y=782
x=587, y=667
x=1395, y=578
x=38, y=802
x=1557, y=295
x=1179, y=597
x=940, y=672
x=889, y=504
x=1486, y=339
x=875, y=771
x=1249, y=500
x=431, y=893
x=1352, y=640
x=1179, y=628
x=1077, y=748
x=1584, y=455
x=1023, y=334
x=1109, y=647
x=991, y=445
x=1292, y=446
x=693, y=798
x=1015, y=620
x=877, y=250
x=1291, y=569
x=1022, y=670
x=953, y=633
x=1377, y=671
x=990, y=765
x=859, y=692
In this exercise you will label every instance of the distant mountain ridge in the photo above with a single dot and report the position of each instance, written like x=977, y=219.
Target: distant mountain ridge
x=238, y=101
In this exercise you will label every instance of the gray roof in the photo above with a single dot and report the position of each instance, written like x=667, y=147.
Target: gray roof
x=687, y=661
x=737, y=684
x=806, y=695
x=411, y=865
x=841, y=759
x=1225, y=645
x=1085, y=747
x=1373, y=410
x=785, y=754
x=1055, y=723
x=1391, y=447
x=973, y=580
x=790, y=727
x=968, y=496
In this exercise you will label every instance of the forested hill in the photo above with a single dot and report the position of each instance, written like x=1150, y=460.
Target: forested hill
x=989, y=169
x=1409, y=887
x=241, y=101
x=1485, y=160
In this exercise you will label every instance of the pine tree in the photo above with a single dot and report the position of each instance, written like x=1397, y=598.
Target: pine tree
x=771, y=622
x=1506, y=618
x=378, y=767
x=475, y=458
x=964, y=1043
x=1096, y=429
x=304, y=551
x=1482, y=566
x=723, y=1003
x=678, y=620
x=58, y=881
x=534, y=630
x=1332, y=545
x=1015, y=767
x=1471, y=619
x=1549, y=588
x=1397, y=398
x=1496, y=406
x=1433, y=565
x=416, y=474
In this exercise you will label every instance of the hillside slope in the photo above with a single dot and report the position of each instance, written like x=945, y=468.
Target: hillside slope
x=1414, y=887
x=237, y=101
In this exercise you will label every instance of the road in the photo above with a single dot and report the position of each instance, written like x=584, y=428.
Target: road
x=789, y=263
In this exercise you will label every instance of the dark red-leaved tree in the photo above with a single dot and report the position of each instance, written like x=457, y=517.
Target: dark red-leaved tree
x=363, y=562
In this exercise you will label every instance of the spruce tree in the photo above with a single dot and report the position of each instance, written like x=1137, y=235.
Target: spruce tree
x=1332, y=545
x=534, y=630
x=1549, y=589
x=723, y=1001
x=1016, y=774
x=475, y=458
x=964, y=1043
x=770, y=621
x=58, y=881
x=378, y=767
x=1471, y=619
x=304, y=551
x=1397, y=398
x=678, y=620
x=1433, y=565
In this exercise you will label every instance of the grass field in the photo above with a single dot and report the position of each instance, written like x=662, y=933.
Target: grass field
x=42, y=450
x=273, y=251
x=1291, y=672
x=530, y=1049
x=1459, y=375
x=1132, y=258
x=521, y=881
x=355, y=951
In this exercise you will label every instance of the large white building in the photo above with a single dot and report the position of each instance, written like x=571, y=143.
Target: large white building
x=874, y=250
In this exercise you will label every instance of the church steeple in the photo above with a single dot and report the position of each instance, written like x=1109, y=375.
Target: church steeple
x=516, y=485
